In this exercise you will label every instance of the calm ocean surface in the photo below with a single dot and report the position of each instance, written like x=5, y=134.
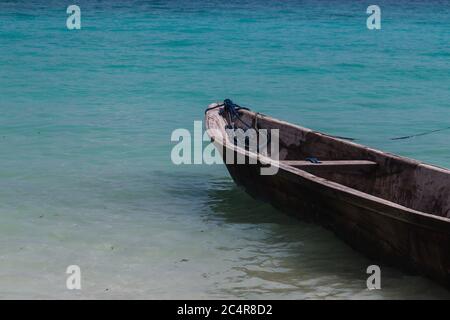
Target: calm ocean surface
x=86, y=118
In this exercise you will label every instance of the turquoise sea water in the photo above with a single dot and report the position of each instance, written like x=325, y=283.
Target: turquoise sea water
x=86, y=118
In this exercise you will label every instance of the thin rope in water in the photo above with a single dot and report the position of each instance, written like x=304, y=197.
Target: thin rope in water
x=420, y=134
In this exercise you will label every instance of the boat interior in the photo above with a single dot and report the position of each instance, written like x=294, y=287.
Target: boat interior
x=397, y=179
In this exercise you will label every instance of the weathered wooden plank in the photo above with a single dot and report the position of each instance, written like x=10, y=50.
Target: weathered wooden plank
x=336, y=166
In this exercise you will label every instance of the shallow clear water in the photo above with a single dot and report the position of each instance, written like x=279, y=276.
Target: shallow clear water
x=85, y=124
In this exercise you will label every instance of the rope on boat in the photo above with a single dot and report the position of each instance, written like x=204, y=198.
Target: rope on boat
x=231, y=111
x=313, y=160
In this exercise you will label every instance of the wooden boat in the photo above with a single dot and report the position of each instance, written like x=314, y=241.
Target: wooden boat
x=394, y=209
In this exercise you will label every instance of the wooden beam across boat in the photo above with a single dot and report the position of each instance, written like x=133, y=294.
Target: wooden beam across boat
x=338, y=165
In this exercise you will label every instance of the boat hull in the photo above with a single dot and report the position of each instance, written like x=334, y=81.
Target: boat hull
x=393, y=209
x=368, y=227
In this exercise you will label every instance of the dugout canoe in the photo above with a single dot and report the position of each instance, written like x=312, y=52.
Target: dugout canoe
x=394, y=209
